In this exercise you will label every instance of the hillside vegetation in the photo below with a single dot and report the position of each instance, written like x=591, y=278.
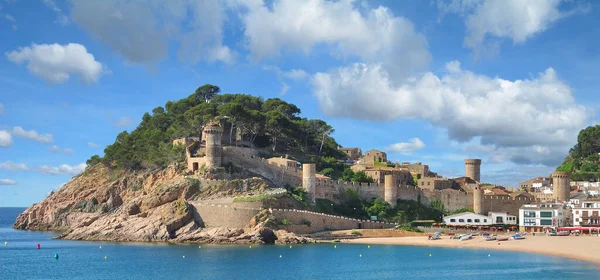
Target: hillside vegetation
x=584, y=158
x=273, y=125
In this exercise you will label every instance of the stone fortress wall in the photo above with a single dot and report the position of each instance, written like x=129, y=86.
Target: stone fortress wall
x=217, y=215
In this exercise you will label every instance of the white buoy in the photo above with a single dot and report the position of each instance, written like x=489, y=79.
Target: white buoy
x=280, y=256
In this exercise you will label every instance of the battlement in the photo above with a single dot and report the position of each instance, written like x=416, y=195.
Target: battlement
x=213, y=131
x=561, y=174
x=473, y=161
x=504, y=197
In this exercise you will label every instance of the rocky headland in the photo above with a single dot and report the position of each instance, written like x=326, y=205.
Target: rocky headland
x=151, y=206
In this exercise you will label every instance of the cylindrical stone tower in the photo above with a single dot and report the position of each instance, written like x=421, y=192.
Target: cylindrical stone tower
x=472, y=168
x=561, y=184
x=478, y=200
x=212, y=134
x=309, y=179
x=391, y=190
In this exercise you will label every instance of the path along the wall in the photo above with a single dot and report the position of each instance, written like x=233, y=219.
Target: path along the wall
x=246, y=158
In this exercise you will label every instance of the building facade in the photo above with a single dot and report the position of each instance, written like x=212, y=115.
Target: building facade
x=587, y=214
x=373, y=156
x=433, y=183
x=353, y=154
x=536, y=217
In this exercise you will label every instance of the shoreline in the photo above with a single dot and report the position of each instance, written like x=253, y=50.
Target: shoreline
x=584, y=248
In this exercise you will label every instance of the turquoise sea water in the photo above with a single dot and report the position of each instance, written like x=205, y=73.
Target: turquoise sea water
x=85, y=260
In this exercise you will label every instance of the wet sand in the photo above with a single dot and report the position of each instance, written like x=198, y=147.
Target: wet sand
x=586, y=248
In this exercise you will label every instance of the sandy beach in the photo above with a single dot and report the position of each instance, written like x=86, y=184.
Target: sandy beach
x=586, y=248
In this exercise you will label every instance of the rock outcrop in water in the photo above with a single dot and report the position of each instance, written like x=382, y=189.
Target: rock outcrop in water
x=151, y=206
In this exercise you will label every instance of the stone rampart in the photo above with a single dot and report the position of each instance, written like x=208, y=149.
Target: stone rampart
x=451, y=199
x=246, y=158
x=216, y=215
x=309, y=222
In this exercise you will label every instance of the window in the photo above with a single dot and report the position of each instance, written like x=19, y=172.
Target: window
x=499, y=220
x=485, y=220
x=577, y=219
x=545, y=214
x=452, y=220
x=545, y=222
x=477, y=220
x=428, y=183
x=461, y=220
x=422, y=183
x=469, y=220
x=529, y=214
x=529, y=222
x=577, y=212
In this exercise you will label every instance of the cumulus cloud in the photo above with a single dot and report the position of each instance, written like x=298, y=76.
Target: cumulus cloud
x=142, y=31
x=414, y=144
x=534, y=120
x=9, y=165
x=5, y=139
x=56, y=63
x=32, y=135
x=298, y=25
x=63, y=169
x=513, y=19
x=7, y=182
x=93, y=145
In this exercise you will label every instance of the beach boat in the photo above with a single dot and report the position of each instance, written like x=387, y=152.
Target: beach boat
x=563, y=233
x=518, y=236
x=502, y=239
x=435, y=236
x=489, y=238
x=466, y=237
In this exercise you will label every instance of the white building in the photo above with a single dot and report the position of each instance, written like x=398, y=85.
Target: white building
x=587, y=214
x=536, y=217
x=468, y=218
x=501, y=218
x=577, y=198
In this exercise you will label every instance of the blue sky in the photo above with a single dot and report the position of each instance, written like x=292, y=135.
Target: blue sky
x=511, y=82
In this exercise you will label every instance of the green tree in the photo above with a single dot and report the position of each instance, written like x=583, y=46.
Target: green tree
x=206, y=92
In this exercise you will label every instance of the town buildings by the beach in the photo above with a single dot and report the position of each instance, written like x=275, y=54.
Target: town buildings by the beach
x=587, y=214
x=537, y=217
x=472, y=219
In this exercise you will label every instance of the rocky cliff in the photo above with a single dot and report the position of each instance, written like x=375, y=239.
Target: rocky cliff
x=101, y=204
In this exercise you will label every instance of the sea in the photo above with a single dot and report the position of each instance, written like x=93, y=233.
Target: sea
x=59, y=259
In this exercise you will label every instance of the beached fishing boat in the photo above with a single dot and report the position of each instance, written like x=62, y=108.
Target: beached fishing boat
x=489, y=238
x=518, y=236
x=563, y=233
x=466, y=237
x=435, y=236
x=502, y=239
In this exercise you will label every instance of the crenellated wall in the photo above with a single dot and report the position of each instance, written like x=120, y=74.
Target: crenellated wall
x=503, y=203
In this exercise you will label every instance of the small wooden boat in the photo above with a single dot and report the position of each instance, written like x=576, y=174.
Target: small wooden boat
x=502, y=239
x=435, y=236
x=489, y=238
x=563, y=233
x=466, y=237
x=518, y=236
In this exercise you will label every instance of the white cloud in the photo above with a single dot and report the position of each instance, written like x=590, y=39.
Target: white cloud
x=93, y=145
x=298, y=25
x=295, y=74
x=7, y=182
x=284, y=89
x=9, y=165
x=5, y=139
x=54, y=148
x=533, y=121
x=517, y=20
x=123, y=122
x=63, y=169
x=141, y=31
x=62, y=19
x=414, y=144
x=68, y=151
x=10, y=18
x=56, y=63
x=32, y=135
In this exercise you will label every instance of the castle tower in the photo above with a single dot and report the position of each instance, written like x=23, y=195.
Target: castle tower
x=478, y=200
x=561, y=182
x=391, y=190
x=472, y=168
x=212, y=133
x=309, y=179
